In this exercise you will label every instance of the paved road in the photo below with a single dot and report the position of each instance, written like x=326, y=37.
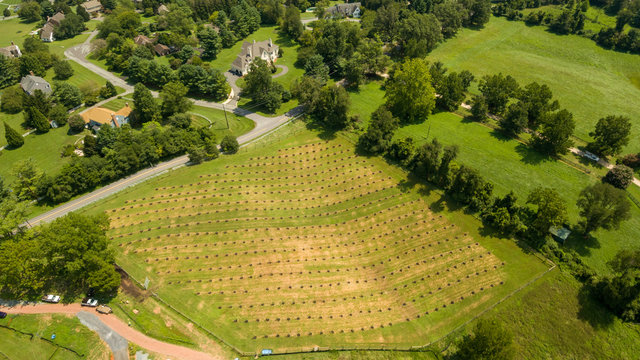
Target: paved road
x=114, y=329
x=118, y=344
x=263, y=125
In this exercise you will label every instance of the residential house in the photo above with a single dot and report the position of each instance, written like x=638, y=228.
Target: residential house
x=345, y=10
x=31, y=83
x=266, y=50
x=46, y=33
x=142, y=40
x=92, y=6
x=161, y=50
x=98, y=116
x=11, y=51
x=162, y=9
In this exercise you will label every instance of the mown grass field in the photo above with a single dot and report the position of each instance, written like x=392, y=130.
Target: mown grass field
x=302, y=243
x=588, y=80
x=70, y=333
x=513, y=166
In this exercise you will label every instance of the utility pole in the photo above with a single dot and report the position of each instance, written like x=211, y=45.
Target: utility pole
x=225, y=116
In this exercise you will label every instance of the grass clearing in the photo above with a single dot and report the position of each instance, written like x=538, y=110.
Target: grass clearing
x=555, y=319
x=302, y=243
x=513, y=166
x=69, y=332
x=588, y=80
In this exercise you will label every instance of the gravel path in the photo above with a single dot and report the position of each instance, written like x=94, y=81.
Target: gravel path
x=118, y=344
x=113, y=330
x=285, y=69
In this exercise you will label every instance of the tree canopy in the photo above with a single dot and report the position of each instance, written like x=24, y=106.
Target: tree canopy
x=409, y=94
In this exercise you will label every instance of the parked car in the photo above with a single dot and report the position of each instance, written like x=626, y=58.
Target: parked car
x=104, y=309
x=51, y=298
x=89, y=302
x=3, y=314
x=591, y=156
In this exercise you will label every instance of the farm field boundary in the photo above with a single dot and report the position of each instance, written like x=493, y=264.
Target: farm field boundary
x=301, y=245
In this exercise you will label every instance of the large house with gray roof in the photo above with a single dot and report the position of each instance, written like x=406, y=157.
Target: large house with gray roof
x=266, y=50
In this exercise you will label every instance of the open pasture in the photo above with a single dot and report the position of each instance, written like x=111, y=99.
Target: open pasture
x=310, y=245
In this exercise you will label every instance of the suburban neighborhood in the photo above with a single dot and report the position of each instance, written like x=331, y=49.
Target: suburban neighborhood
x=319, y=179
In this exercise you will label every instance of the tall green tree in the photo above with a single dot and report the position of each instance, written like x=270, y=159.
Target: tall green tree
x=489, y=341
x=210, y=42
x=497, y=90
x=315, y=67
x=14, y=140
x=271, y=11
x=551, y=209
x=67, y=94
x=26, y=174
x=10, y=71
x=30, y=11
x=62, y=69
x=538, y=99
x=380, y=132
x=409, y=94
x=620, y=291
x=38, y=120
x=610, y=135
x=602, y=206
x=174, y=99
x=554, y=137
x=291, y=23
x=145, y=106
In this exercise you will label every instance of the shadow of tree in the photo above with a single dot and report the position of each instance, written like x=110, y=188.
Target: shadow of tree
x=530, y=156
x=581, y=243
x=592, y=311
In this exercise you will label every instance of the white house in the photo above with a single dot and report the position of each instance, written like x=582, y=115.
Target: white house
x=266, y=50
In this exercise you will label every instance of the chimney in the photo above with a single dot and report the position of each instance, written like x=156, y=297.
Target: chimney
x=31, y=73
x=12, y=43
x=270, y=43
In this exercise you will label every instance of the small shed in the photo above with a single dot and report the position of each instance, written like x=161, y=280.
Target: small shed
x=161, y=49
x=560, y=233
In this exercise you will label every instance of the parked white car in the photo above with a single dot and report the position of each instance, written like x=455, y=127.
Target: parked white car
x=51, y=298
x=89, y=302
x=591, y=156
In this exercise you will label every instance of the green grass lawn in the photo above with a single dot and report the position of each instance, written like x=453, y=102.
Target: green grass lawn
x=69, y=333
x=44, y=149
x=401, y=196
x=16, y=30
x=512, y=166
x=589, y=81
x=553, y=319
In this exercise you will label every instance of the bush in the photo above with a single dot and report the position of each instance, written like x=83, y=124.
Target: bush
x=196, y=155
x=229, y=144
x=76, y=123
x=62, y=70
x=631, y=160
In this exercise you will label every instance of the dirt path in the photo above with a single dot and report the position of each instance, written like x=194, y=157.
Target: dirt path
x=118, y=326
x=602, y=162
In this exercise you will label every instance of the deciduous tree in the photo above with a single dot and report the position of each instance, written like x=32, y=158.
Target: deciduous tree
x=409, y=94
x=620, y=176
x=610, y=135
x=378, y=137
x=174, y=99
x=602, y=206
x=489, y=341
x=554, y=137
x=551, y=209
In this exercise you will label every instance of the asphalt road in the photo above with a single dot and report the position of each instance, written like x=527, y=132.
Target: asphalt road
x=263, y=125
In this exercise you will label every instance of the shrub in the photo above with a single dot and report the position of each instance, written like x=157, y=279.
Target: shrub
x=229, y=144
x=619, y=176
x=76, y=123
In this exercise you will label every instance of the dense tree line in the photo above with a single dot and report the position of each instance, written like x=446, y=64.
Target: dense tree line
x=71, y=255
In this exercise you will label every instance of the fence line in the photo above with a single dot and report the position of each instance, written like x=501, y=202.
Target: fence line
x=633, y=198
